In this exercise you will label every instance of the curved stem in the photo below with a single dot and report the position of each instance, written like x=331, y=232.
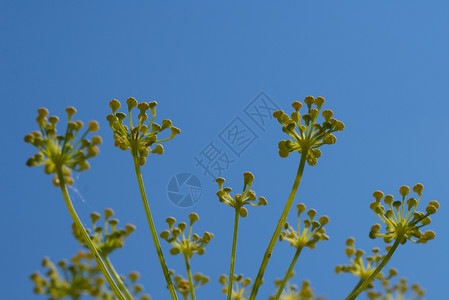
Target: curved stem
x=290, y=269
x=153, y=229
x=279, y=226
x=86, y=237
x=373, y=275
x=189, y=274
x=117, y=278
x=357, y=286
x=234, y=246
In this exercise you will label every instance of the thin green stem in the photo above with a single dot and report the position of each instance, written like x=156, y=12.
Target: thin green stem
x=287, y=275
x=117, y=278
x=234, y=246
x=86, y=237
x=153, y=229
x=189, y=274
x=357, y=286
x=373, y=275
x=279, y=226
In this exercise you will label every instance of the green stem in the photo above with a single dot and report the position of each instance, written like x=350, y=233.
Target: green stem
x=153, y=229
x=86, y=237
x=287, y=275
x=279, y=226
x=357, y=286
x=189, y=274
x=373, y=275
x=234, y=246
x=117, y=278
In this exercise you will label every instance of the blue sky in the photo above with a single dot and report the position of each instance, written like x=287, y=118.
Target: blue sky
x=381, y=66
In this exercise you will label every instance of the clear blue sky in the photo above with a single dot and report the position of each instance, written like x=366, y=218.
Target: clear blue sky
x=382, y=67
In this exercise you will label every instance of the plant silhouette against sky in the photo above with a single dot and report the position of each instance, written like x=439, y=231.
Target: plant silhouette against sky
x=308, y=129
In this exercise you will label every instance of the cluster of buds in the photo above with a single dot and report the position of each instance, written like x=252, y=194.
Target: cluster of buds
x=307, y=137
x=398, y=291
x=62, y=152
x=106, y=240
x=240, y=287
x=136, y=288
x=182, y=243
x=182, y=284
x=293, y=292
x=239, y=200
x=141, y=137
x=358, y=267
x=401, y=217
x=312, y=232
x=81, y=276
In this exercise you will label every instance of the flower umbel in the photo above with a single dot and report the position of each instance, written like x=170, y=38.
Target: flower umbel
x=182, y=284
x=78, y=277
x=141, y=137
x=307, y=137
x=359, y=267
x=399, y=291
x=239, y=200
x=293, y=292
x=312, y=232
x=402, y=218
x=104, y=239
x=62, y=151
x=187, y=244
x=240, y=288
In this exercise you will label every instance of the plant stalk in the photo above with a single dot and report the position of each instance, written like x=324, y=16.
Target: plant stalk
x=290, y=269
x=357, y=286
x=279, y=226
x=373, y=275
x=117, y=278
x=189, y=274
x=86, y=237
x=234, y=246
x=153, y=229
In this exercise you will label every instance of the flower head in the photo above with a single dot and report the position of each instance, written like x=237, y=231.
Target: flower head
x=401, y=217
x=398, y=291
x=187, y=244
x=239, y=200
x=312, y=232
x=106, y=240
x=62, y=152
x=182, y=284
x=361, y=267
x=293, y=292
x=141, y=139
x=307, y=135
x=240, y=287
x=78, y=277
